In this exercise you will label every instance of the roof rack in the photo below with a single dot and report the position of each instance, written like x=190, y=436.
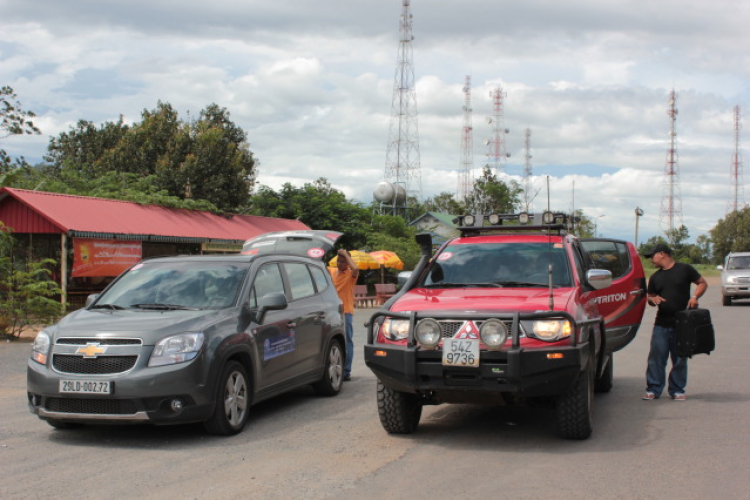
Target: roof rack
x=546, y=221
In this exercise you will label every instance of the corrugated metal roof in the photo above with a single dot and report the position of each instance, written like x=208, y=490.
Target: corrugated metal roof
x=80, y=216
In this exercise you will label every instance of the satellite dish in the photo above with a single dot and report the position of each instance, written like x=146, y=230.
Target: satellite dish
x=384, y=192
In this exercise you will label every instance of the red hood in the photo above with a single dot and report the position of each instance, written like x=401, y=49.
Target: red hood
x=482, y=299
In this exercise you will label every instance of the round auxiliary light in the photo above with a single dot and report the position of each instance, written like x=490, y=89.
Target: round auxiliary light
x=523, y=218
x=548, y=218
x=494, y=219
x=493, y=333
x=428, y=333
x=468, y=220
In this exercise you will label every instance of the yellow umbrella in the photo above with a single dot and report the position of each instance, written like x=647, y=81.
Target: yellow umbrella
x=363, y=260
x=388, y=259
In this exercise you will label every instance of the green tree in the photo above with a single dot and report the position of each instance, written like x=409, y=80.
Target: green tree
x=731, y=234
x=206, y=159
x=14, y=120
x=446, y=203
x=492, y=195
x=27, y=291
x=319, y=206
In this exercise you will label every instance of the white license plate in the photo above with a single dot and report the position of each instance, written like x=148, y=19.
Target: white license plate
x=461, y=352
x=85, y=387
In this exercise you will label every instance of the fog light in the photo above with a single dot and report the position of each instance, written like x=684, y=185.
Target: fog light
x=428, y=333
x=176, y=405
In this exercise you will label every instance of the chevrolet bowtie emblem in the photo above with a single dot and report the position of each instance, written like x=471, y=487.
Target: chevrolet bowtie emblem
x=92, y=350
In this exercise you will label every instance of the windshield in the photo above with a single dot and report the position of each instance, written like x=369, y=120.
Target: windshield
x=499, y=264
x=738, y=263
x=176, y=285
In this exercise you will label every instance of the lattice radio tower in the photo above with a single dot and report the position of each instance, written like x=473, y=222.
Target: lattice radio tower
x=496, y=155
x=671, y=200
x=402, y=157
x=738, y=190
x=465, y=171
x=528, y=196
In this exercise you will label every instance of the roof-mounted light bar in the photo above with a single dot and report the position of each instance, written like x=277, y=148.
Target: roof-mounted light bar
x=546, y=220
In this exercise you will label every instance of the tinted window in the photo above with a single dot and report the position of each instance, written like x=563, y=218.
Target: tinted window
x=610, y=255
x=500, y=263
x=320, y=279
x=204, y=285
x=300, y=281
x=267, y=280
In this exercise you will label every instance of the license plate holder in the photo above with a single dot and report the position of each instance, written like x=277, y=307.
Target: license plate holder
x=461, y=352
x=85, y=387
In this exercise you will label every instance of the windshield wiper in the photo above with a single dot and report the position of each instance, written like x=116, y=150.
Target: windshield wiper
x=462, y=285
x=164, y=307
x=107, y=306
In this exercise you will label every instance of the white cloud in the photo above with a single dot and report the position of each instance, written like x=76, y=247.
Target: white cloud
x=312, y=82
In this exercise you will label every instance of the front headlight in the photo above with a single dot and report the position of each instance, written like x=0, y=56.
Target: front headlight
x=552, y=330
x=40, y=348
x=176, y=349
x=732, y=280
x=395, y=329
x=428, y=333
x=493, y=333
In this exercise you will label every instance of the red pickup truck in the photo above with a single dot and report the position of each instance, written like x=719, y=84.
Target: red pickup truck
x=508, y=312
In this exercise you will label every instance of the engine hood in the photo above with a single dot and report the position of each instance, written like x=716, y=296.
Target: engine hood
x=150, y=326
x=482, y=299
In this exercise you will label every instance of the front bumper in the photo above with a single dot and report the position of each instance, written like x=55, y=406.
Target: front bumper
x=736, y=291
x=528, y=372
x=140, y=395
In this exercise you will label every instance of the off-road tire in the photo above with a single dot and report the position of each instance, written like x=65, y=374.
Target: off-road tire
x=232, y=401
x=574, y=409
x=726, y=300
x=399, y=411
x=606, y=380
x=333, y=373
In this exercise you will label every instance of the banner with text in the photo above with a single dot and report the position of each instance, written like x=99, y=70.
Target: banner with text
x=103, y=257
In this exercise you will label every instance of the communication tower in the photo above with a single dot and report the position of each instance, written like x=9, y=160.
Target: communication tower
x=465, y=177
x=496, y=155
x=528, y=196
x=402, y=168
x=738, y=190
x=671, y=200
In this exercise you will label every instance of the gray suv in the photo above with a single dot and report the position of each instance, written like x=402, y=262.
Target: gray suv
x=735, y=277
x=195, y=339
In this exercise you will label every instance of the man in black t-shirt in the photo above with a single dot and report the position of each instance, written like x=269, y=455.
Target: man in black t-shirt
x=669, y=289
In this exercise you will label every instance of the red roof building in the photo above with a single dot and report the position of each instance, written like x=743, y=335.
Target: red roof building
x=103, y=237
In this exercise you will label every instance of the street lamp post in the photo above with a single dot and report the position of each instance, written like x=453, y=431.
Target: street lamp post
x=638, y=214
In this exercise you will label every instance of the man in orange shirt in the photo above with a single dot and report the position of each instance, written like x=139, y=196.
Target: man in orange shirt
x=344, y=278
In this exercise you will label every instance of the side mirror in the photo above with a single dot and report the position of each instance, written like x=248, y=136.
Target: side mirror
x=274, y=301
x=91, y=298
x=720, y=268
x=599, y=278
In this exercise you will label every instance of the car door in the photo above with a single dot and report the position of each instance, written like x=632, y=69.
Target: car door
x=276, y=338
x=621, y=304
x=309, y=317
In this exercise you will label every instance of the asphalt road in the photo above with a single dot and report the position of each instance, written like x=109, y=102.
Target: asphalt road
x=302, y=446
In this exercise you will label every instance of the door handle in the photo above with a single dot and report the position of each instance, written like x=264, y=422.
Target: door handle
x=636, y=292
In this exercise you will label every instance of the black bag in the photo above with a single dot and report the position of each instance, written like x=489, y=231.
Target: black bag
x=694, y=332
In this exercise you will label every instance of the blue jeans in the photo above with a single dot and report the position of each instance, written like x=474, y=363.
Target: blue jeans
x=349, y=324
x=663, y=346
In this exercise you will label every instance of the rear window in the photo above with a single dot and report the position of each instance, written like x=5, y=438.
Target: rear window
x=499, y=263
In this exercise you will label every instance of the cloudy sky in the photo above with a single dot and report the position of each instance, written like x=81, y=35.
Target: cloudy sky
x=311, y=82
